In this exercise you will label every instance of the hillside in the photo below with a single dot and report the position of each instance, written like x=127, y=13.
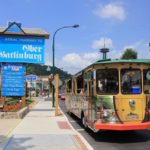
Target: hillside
x=38, y=69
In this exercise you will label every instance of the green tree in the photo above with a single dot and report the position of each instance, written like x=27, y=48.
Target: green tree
x=129, y=53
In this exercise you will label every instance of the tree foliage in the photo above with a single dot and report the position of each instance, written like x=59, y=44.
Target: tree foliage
x=129, y=53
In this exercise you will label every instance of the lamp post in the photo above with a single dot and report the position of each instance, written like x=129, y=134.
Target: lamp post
x=53, y=51
x=48, y=70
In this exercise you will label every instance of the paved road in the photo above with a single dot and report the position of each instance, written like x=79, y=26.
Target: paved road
x=111, y=140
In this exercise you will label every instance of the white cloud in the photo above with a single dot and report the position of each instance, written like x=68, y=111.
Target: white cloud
x=140, y=47
x=74, y=62
x=72, y=59
x=135, y=45
x=112, y=10
x=114, y=54
x=97, y=44
x=90, y=56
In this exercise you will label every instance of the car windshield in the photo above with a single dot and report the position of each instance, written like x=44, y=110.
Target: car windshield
x=131, y=81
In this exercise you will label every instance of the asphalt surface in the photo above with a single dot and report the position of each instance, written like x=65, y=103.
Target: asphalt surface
x=110, y=140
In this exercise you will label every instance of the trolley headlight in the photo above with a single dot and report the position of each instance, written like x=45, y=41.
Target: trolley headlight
x=113, y=119
x=106, y=114
x=110, y=116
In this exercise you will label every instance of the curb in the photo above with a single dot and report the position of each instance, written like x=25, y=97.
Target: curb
x=80, y=141
x=20, y=114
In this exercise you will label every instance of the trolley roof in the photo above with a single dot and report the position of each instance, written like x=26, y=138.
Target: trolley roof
x=116, y=61
x=112, y=61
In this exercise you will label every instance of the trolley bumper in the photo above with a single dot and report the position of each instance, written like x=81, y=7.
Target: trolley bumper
x=121, y=127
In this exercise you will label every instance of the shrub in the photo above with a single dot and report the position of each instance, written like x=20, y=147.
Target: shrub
x=29, y=101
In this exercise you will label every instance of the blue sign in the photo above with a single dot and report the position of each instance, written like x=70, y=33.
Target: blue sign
x=13, y=67
x=9, y=81
x=12, y=73
x=21, y=49
x=16, y=28
x=12, y=93
x=31, y=78
x=13, y=81
x=13, y=89
x=6, y=77
x=12, y=85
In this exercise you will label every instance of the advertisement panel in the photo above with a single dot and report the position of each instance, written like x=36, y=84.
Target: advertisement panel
x=27, y=49
x=13, y=80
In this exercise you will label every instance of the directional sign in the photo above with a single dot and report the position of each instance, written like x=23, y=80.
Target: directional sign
x=31, y=78
x=12, y=93
x=54, y=82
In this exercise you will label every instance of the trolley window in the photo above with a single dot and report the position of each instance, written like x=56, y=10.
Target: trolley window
x=146, y=81
x=69, y=86
x=131, y=81
x=79, y=83
x=107, y=81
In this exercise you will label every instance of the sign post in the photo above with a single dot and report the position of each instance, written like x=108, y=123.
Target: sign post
x=30, y=78
x=18, y=46
x=56, y=78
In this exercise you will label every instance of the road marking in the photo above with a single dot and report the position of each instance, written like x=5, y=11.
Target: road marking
x=80, y=129
x=74, y=121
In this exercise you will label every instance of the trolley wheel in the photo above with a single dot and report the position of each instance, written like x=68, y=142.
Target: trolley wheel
x=69, y=112
x=84, y=122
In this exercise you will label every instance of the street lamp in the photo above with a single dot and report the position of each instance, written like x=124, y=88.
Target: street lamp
x=48, y=70
x=53, y=51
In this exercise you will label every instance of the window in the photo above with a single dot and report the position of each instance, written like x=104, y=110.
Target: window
x=79, y=84
x=146, y=73
x=107, y=81
x=74, y=86
x=69, y=86
x=131, y=81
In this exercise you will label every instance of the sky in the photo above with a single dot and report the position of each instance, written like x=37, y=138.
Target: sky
x=120, y=23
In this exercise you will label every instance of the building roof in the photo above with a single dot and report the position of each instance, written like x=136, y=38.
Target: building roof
x=23, y=31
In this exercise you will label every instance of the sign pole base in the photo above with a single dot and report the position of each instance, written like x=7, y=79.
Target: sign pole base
x=23, y=101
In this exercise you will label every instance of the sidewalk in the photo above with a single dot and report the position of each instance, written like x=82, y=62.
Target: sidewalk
x=42, y=130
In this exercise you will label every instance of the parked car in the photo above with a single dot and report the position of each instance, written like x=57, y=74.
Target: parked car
x=63, y=97
x=59, y=95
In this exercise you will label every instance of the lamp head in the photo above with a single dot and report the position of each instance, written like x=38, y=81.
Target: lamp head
x=75, y=26
x=48, y=68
